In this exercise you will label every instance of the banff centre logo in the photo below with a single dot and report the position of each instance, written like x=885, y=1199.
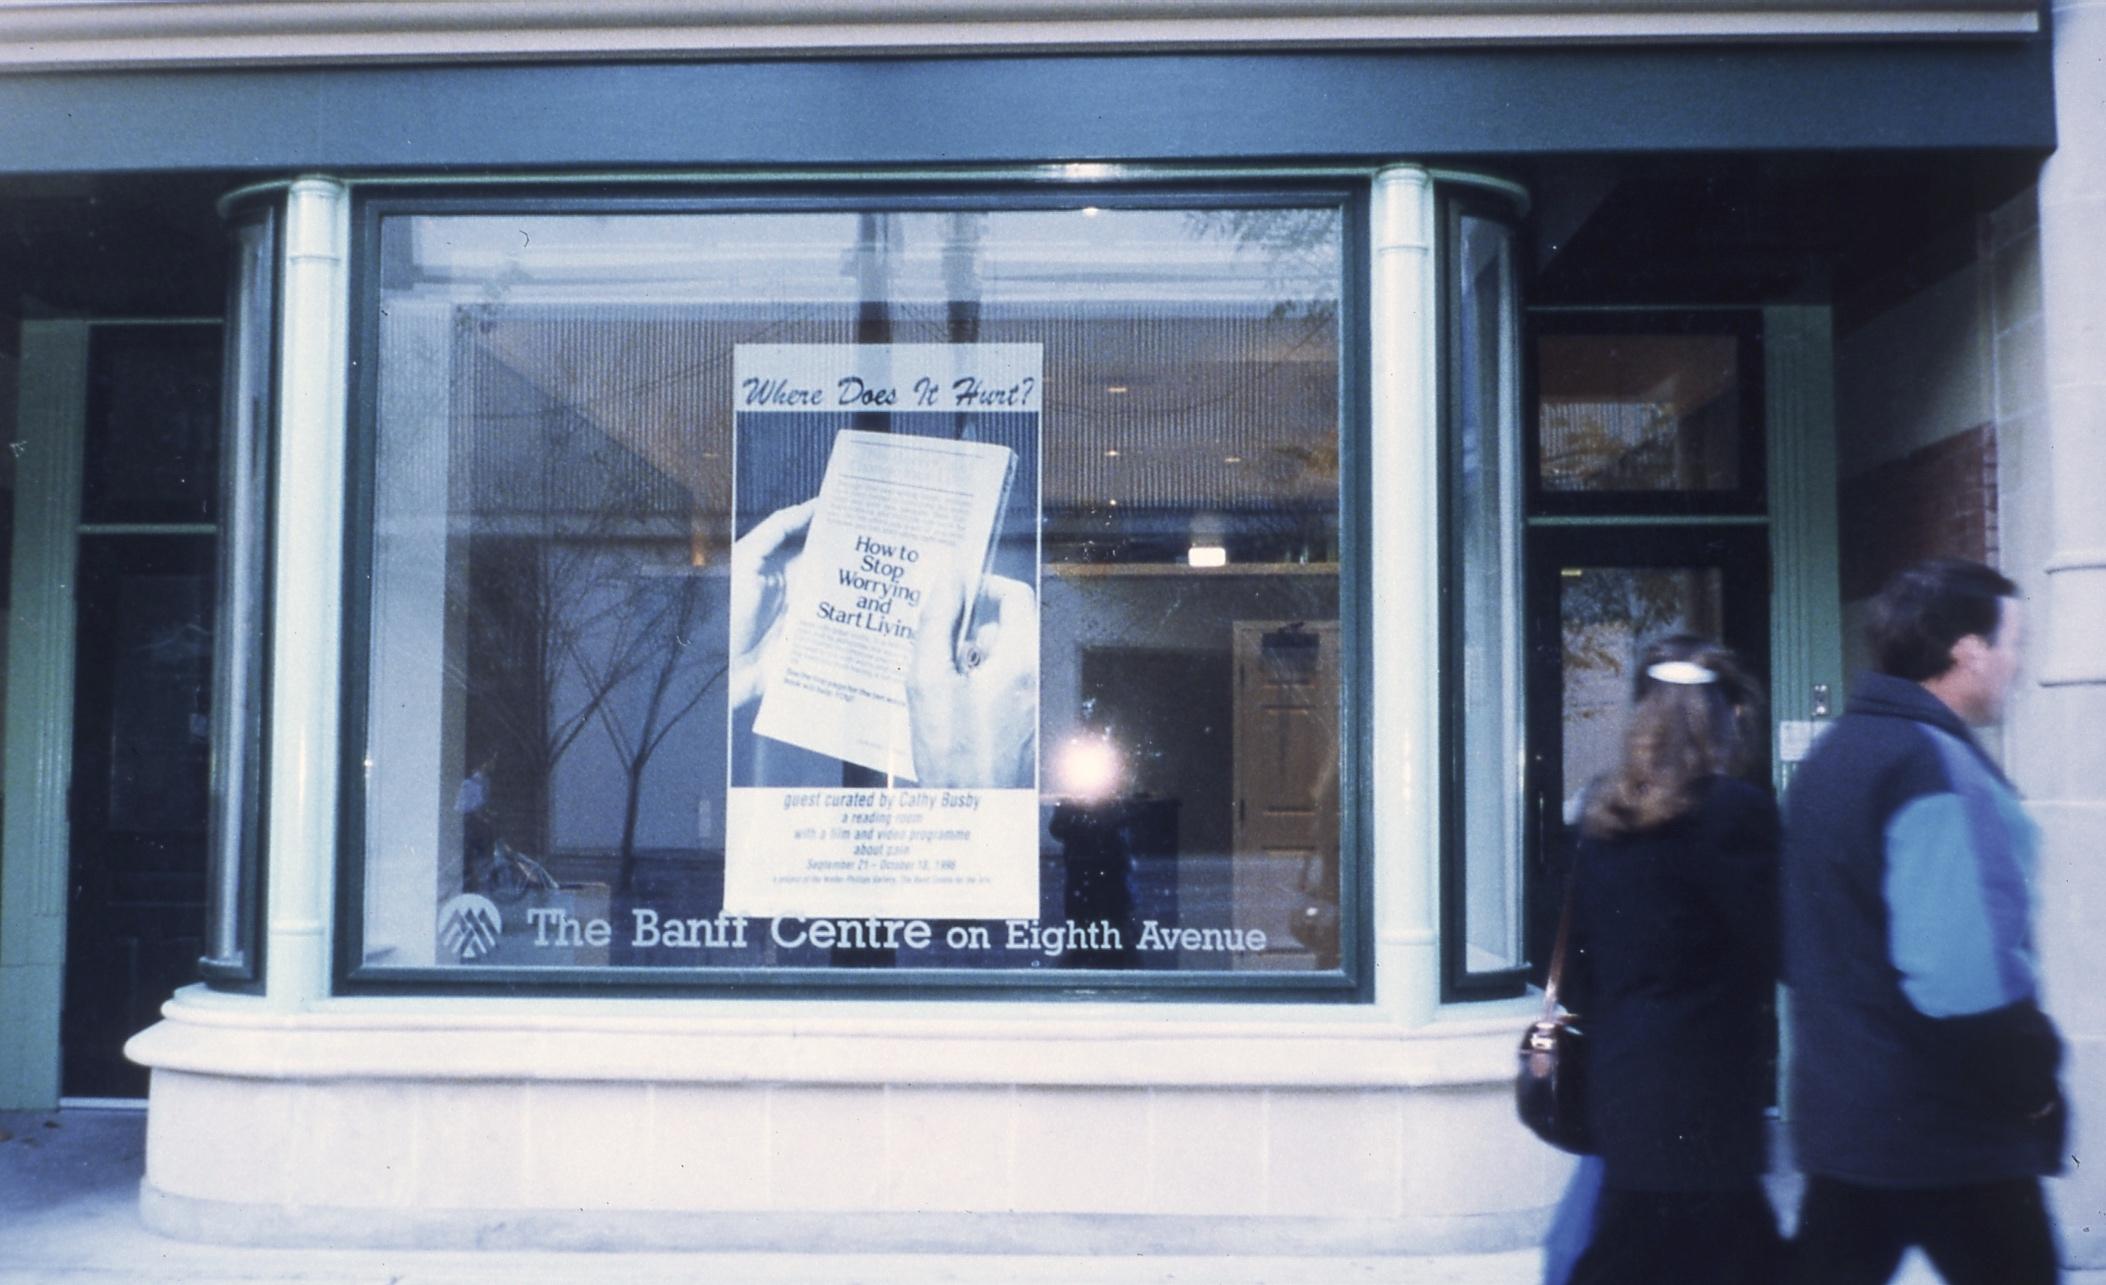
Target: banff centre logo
x=469, y=926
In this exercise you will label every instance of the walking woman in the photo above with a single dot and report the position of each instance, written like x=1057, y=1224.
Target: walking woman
x=1673, y=961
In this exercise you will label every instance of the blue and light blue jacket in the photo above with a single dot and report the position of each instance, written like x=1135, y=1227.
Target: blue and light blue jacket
x=1920, y=1055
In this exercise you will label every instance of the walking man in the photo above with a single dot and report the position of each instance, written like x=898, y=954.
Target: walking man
x=1923, y=1096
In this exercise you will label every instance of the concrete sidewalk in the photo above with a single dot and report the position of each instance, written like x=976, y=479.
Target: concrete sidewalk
x=69, y=1185
x=69, y=1188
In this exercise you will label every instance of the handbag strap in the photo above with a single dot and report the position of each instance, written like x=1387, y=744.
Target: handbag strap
x=1557, y=953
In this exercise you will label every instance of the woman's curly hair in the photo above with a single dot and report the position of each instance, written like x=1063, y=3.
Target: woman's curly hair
x=1680, y=734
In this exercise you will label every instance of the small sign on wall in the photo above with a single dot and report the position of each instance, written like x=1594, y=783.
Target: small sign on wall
x=1796, y=737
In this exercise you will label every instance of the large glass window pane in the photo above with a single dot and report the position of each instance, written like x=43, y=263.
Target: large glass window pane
x=908, y=589
x=1485, y=535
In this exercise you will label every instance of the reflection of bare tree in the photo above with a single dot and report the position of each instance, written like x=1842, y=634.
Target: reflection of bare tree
x=651, y=671
x=576, y=605
x=1639, y=412
x=508, y=666
x=525, y=604
x=1608, y=612
x=1300, y=248
x=1301, y=252
x=1610, y=447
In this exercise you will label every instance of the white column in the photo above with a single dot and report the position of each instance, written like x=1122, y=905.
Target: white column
x=2072, y=209
x=2054, y=737
x=312, y=361
x=1404, y=557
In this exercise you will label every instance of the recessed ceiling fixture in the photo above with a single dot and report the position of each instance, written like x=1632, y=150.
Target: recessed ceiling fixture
x=1209, y=547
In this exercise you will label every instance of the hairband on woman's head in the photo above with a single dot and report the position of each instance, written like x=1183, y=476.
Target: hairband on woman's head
x=1683, y=672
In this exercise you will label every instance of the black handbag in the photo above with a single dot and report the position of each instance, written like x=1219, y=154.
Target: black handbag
x=1550, y=1090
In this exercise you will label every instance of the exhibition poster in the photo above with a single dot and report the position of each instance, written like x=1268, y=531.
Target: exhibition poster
x=884, y=631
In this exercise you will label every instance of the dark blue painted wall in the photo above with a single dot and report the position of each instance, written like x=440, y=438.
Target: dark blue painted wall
x=876, y=112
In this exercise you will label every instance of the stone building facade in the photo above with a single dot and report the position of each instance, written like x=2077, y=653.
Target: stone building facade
x=1445, y=268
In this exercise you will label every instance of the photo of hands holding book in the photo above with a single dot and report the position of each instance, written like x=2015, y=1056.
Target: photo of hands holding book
x=866, y=626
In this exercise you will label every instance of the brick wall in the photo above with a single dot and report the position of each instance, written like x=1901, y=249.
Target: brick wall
x=1938, y=500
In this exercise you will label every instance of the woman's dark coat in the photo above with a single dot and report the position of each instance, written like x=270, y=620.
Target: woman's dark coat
x=1673, y=964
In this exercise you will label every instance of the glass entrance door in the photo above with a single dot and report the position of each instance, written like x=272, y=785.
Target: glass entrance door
x=135, y=918
x=1598, y=597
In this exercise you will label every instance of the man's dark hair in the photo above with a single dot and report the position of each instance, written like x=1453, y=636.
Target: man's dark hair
x=1927, y=608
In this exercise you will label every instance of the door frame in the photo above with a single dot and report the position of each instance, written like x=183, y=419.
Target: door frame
x=1795, y=410
x=36, y=842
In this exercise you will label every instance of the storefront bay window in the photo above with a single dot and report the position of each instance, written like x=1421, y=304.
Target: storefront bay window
x=752, y=588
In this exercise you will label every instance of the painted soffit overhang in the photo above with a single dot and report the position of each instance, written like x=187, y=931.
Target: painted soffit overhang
x=84, y=34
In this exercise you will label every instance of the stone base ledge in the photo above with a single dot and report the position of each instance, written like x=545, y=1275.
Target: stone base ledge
x=675, y=1042
x=1027, y=1128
